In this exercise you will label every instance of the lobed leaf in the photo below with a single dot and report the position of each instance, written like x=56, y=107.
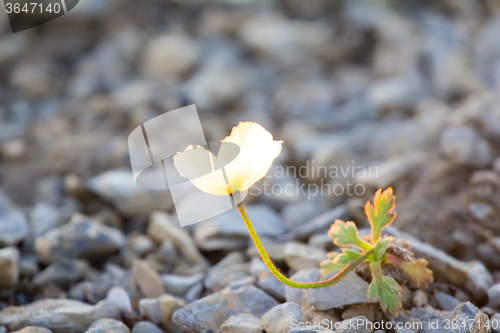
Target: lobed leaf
x=374, y=290
x=345, y=234
x=338, y=261
x=347, y=256
x=385, y=288
x=380, y=213
x=381, y=246
x=389, y=295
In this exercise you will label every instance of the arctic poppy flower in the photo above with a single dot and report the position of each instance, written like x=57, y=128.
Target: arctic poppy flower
x=245, y=157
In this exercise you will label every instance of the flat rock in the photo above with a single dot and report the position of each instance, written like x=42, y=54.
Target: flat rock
x=299, y=256
x=13, y=224
x=229, y=227
x=146, y=327
x=392, y=170
x=106, y=325
x=318, y=224
x=465, y=314
x=28, y=265
x=147, y=279
x=167, y=252
x=161, y=228
x=494, y=296
x=368, y=310
x=276, y=251
x=128, y=96
x=312, y=307
x=80, y=238
x=170, y=55
x=217, y=82
x=194, y=293
x=160, y=310
x=495, y=323
x=420, y=298
x=33, y=329
x=62, y=272
x=302, y=296
x=245, y=281
x=397, y=138
x=350, y=290
x=426, y=313
x=178, y=285
x=141, y=244
x=211, y=311
x=321, y=241
x=58, y=315
x=463, y=145
x=395, y=92
x=300, y=213
x=472, y=276
x=257, y=266
x=35, y=80
x=271, y=285
x=280, y=318
x=9, y=268
x=241, y=323
x=289, y=42
x=120, y=297
x=44, y=217
x=229, y=269
x=446, y=302
x=119, y=187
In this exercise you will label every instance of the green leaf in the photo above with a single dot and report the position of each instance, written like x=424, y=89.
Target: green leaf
x=381, y=247
x=389, y=298
x=380, y=213
x=337, y=260
x=345, y=234
x=373, y=290
x=385, y=288
x=348, y=255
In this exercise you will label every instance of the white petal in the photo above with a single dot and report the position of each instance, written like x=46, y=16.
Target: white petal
x=197, y=165
x=257, y=153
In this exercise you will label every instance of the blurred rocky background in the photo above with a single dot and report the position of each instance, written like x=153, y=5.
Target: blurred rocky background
x=409, y=87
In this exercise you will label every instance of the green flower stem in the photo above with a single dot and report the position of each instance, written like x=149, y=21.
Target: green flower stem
x=284, y=279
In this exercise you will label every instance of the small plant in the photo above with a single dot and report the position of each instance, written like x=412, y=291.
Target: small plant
x=257, y=153
x=383, y=255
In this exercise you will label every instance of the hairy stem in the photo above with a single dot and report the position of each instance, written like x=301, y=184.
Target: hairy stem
x=284, y=279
